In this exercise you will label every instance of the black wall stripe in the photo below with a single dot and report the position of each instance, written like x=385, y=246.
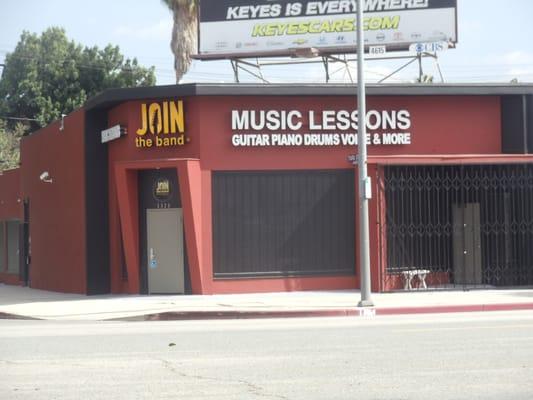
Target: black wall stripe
x=96, y=203
x=514, y=139
x=529, y=123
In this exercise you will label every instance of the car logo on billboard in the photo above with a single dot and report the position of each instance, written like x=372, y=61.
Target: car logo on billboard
x=439, y=35
x=398, y=36
x=299, y=42
x=340, y=39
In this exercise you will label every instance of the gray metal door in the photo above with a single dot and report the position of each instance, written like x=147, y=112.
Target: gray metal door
x=467, y=244
x=165, y=250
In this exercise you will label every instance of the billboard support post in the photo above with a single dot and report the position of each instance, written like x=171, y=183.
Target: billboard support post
x=364, y=183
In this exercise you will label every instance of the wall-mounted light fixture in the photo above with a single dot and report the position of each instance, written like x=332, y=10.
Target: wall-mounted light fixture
x=45, y=177
x=62, y=123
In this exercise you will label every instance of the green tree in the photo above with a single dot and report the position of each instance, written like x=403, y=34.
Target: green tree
x=184, y=33
x=49, y=75
x=10, y=145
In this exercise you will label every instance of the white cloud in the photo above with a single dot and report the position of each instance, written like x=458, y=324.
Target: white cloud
x=522, y=74
x=517, y=58
x=519, y=65
x=375, y=73
x=161, y=30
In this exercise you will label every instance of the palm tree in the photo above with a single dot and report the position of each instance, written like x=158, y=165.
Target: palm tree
x=184, y=34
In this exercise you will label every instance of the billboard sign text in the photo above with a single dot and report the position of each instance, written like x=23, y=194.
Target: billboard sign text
x=249, y=28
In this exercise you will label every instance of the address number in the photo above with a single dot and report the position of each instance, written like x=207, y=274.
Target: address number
x=377, y=50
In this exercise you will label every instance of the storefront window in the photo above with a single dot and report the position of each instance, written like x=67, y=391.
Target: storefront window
x=283, y=223
x=13, y=247
x=2, y=248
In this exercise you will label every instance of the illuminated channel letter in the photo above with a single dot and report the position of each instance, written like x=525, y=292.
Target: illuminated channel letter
x=144, y=121
x=156, y=120
x=176, y=117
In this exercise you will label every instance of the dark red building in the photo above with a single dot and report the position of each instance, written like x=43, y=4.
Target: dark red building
x=238, y=188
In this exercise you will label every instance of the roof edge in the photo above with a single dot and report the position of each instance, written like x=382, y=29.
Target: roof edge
x=112, y=97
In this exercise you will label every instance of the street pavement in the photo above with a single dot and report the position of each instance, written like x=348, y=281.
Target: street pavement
x=23, y=302
x=458, y=356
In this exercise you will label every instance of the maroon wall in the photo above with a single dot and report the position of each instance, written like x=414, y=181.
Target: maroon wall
x=440, y=125
x=447, y=125
x=57, y=209
x=124, y=150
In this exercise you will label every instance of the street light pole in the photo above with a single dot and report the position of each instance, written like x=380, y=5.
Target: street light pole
x=364, y=180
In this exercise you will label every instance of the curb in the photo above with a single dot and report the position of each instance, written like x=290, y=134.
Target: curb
x=4, y=315
x=347, y=312
x=201, y=315
x=369, y=312
x=455, y=309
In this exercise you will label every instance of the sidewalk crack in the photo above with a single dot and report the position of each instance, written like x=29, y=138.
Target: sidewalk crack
x=251, y=387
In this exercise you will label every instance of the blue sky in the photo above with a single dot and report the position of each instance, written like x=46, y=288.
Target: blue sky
x=495, y=40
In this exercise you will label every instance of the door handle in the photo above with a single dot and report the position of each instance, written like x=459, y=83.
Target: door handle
x=153, y=260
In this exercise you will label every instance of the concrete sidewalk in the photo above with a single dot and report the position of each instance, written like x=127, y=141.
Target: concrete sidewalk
x=22, y=302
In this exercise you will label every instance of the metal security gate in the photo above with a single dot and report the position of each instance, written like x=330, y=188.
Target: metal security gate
x=457, y=226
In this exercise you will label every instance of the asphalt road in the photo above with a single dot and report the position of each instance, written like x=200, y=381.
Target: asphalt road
x=450, y=356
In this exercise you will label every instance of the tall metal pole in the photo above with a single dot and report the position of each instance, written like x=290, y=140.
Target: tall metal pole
x=364, y=181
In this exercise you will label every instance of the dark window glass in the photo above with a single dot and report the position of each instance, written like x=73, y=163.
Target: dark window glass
x=2, y=248
x=283, y=223
x=13, y=247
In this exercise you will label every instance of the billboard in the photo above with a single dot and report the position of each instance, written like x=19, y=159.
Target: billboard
x=253, y=28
